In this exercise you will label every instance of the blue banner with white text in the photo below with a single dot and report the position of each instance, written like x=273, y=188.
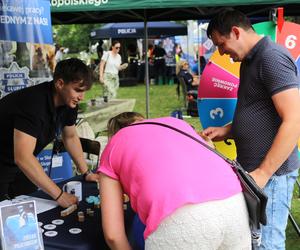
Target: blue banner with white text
x=26, y=21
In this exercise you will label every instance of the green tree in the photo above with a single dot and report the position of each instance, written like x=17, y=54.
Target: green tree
x=76, y=37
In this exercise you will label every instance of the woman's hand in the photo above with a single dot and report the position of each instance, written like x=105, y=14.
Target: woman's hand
x=123, y=66
x=196, y=80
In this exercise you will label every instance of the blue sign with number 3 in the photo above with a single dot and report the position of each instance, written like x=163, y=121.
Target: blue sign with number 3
x=216, y=112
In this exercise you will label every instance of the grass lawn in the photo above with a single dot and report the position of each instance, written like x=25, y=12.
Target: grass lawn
x=163, y=100
x=293, y=239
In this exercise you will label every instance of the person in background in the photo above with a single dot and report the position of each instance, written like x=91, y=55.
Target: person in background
x=99, y=51
x=266, y=122
x=59, y=54
x=151, y=63
x=110, y=66
x=133, y=60
x=39, y=62
x=195, y=67
x=95, y=64
x=186, y=195
x=159, y=55
x=132, y=53
x=178, y=53
x=50, y=57
x=202, y=64
x=31, y=119
x=170, y=67
x=178, y=57
x=150, y=53
x=183, y=71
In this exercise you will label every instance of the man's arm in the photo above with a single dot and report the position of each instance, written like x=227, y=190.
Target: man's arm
x=73, y=146
x=24, y=146
x=287, y=104
x=112, y=213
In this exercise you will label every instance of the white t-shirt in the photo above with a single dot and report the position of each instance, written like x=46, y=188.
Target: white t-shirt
x=59, y=56
x=113, y=62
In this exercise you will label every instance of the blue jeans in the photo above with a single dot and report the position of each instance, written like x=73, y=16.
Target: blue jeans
x=279, y=190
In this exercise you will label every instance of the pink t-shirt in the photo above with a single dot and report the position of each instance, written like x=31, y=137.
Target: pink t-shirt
x=162, y=170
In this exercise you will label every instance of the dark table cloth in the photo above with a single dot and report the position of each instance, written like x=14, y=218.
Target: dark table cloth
x=91, y=237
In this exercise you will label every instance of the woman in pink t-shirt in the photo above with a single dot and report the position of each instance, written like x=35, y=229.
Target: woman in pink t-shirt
x=186, y=195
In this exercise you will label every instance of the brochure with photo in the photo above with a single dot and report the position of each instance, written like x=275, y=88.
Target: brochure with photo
x=19, y=227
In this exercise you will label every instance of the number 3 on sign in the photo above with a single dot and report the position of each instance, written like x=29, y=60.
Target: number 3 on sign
x=216, y=112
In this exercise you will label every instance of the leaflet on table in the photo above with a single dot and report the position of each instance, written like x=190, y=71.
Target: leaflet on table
x=42, y=205
x=19, y=227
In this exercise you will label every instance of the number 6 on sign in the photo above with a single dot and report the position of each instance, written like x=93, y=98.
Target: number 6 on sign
x=216, y=112
x=290, y=41
x=289, y=37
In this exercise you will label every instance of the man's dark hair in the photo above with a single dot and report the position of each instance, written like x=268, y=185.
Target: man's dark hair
x=73, y=70
x=226, y=19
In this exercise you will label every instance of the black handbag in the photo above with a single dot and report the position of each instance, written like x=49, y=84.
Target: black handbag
x=256, y=199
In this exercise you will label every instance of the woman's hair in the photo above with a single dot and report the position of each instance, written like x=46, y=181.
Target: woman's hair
x=114, y=42
x=180, y=65
x=178, y=49
x=121, y=121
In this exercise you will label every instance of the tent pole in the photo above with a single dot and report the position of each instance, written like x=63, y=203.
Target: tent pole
x=146, y=65
x=198, y=38
x=187, y=48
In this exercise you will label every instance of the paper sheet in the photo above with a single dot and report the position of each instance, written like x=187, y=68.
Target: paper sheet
x=42, y=205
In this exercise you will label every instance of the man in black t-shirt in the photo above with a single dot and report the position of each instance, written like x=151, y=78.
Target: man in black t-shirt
x=30, y=119
x=159, y=54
